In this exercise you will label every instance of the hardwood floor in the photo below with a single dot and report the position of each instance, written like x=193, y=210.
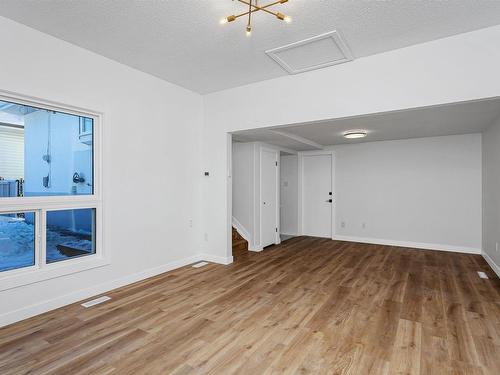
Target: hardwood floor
x=307, y=306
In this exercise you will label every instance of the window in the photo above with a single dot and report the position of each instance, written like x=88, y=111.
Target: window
x=47, y=153
x=70, y=234
x=49, y=199
x=17, y=240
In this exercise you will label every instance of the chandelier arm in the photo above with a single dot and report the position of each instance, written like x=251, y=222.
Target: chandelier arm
x=253, y=6
x=249, y=24
x=263, y=8
x=253, y=11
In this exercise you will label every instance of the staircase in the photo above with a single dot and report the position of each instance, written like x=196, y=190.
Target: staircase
x=240, y=246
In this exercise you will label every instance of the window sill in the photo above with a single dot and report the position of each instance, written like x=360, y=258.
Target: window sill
x=34, y=275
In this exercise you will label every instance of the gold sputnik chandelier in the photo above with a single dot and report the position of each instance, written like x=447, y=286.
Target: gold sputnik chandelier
x=253, y=6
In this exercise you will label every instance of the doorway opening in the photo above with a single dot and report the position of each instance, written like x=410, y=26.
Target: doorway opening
x=386, y=178
x=255, y=215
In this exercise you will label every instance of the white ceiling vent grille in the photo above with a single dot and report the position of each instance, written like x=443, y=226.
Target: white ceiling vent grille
x=313, y=53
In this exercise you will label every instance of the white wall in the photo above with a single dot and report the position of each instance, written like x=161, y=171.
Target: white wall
x=491, y=195
x=289, y=180
x=151, y=159
x=243, y=164
x=423, y=191
x=433, y=73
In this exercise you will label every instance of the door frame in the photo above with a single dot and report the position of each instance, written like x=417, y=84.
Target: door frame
x=300, y=188
x=277, y=239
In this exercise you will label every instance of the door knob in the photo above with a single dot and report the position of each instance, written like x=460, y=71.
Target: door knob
x=329, y=201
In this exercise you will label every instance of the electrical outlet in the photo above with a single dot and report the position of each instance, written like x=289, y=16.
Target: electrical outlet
x=190, y=223
x=206, y=236
x=363, y=225
x=342, y=224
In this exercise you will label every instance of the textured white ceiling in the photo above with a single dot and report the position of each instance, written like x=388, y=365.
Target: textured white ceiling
x=458, y=118
x=182, y=41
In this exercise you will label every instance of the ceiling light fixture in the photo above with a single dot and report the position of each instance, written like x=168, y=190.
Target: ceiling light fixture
x=354, y=134
x=253, y=6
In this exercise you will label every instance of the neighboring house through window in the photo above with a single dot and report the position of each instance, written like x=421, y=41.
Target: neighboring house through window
x=49, y=199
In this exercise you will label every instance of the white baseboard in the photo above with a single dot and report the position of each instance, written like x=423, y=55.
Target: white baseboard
x=256, y=248
x=416, y=245
x=492, y=264
x=259, y=248
x=289, y=234
x=241, y=229
x=42, y=307
x=216, y=259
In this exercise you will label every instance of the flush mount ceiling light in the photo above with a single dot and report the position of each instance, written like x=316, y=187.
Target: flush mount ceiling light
x=253, y=6
x=353, y=134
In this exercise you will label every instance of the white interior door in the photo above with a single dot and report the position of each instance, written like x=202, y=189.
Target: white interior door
x=316, y=195
x=269, y=197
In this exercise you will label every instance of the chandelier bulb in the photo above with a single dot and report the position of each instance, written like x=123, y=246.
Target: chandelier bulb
x=227, y=19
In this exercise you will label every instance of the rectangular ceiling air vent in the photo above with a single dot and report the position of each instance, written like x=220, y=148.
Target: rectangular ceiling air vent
x=313, y=53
